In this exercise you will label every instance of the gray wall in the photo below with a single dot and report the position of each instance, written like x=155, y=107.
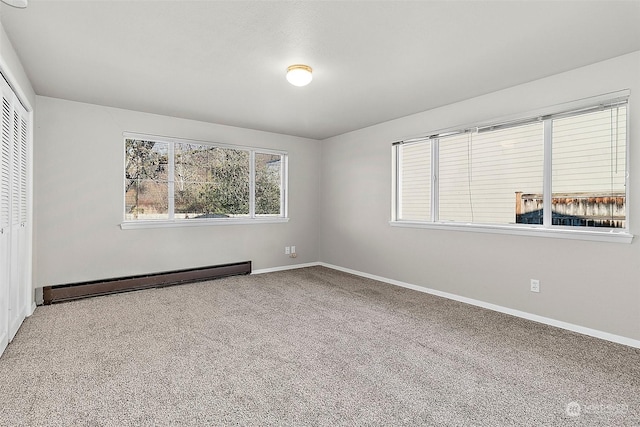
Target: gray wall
x=591, y=284
x=78, y=179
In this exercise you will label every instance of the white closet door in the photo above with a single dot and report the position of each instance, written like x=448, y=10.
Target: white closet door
x=24, y=285
x=15, y=307
x=5, y=219
x=14, y=237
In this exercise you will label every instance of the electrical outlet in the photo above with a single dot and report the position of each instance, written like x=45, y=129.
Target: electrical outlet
x=293, y=249
x=287, y=250
x=535, y=285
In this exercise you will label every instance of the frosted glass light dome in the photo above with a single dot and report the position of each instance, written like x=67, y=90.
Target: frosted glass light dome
x=299, y=75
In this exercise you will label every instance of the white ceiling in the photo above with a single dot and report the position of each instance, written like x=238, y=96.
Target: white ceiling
x=224, y=61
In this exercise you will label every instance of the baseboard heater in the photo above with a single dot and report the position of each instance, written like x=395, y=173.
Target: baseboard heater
x=72, y=291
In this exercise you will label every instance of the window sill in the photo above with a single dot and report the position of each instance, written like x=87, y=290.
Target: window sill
x=132, y=225
x=525, y=230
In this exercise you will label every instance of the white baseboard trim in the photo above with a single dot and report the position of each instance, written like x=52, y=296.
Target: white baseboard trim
x=285, y=267
x=522, y=314
x=33, y=308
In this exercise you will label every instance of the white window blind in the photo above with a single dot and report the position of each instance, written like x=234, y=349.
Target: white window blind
x=589, y=168
x=481, y=173
x=415, y=181
x=563, y=169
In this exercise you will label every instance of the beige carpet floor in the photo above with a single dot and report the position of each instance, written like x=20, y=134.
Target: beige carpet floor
x=306, y=347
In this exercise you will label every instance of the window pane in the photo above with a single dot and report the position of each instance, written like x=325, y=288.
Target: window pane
x=195, y=200
x=414, y=189
x=146, y=174
x=589, y=169
x=146, y=199
x=146, y=160
x=210, y=182
x=453, y=179
x=268, y=184
x=482, y=176
x=193, y=163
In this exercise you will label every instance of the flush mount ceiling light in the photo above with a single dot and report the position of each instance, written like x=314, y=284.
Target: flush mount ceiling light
x=299, y=75
x=16, y=3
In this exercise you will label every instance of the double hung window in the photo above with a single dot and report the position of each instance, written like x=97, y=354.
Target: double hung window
x=565, y=170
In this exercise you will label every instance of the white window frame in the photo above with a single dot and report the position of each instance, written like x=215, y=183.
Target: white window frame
x=544, y=230
x=193, y=222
